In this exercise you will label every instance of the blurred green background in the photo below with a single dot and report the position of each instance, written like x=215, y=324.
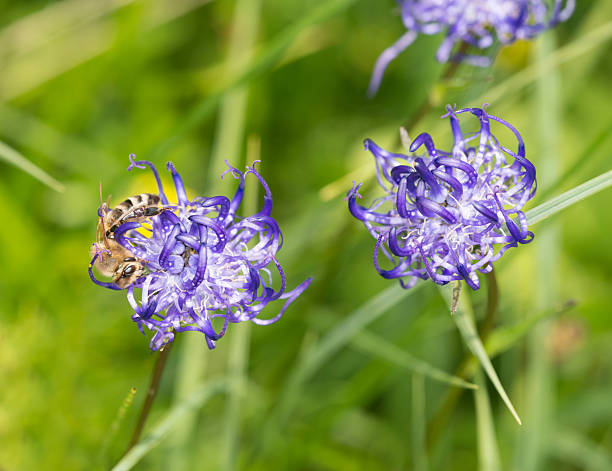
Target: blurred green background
x=83, y=83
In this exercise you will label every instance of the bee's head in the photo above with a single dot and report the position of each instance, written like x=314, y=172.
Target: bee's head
x=127, y=272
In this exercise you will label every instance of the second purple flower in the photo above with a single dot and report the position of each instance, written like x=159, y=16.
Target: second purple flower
x=447, y=215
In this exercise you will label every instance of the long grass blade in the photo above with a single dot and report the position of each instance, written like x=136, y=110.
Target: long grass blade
x=238, y=360
x=87, y=41
x=581, y=162
x=195, y=401
x=419, y=424
x=13, y=157
x=463, y=318
x=348, y=328
x=272, y=54
x=318, y=354
x=41, y=26
x=376, y=345
x=574, y=50
x=539, y=372
x=571, y=447
x=570, y=197
x=114, y=428
x=488, y=451
x=228, y=142
x=505, y=337
x=29, y=132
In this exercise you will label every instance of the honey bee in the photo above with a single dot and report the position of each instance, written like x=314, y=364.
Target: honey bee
x=136, y=208
x=114, y=260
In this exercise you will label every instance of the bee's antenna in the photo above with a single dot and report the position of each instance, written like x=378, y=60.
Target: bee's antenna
x=101, y=228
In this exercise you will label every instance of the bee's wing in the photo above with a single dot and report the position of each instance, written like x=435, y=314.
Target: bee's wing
x=101, y=233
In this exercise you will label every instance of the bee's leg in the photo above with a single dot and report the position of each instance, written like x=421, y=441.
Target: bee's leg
x=154, y=211
x=97, y=254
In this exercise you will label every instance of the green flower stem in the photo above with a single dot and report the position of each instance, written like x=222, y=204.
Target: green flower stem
x=440, y=420
x=428, y=103
x=156, y=376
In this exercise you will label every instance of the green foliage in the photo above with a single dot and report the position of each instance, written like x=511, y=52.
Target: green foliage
x=359, y=374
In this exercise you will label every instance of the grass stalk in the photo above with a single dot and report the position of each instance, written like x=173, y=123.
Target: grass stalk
x=156, y=376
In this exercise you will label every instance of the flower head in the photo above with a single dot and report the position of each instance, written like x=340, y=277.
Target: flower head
x=475, y=23
x=202, y=262
x=447, y=215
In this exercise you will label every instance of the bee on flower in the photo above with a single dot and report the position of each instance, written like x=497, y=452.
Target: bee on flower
x=199, y=261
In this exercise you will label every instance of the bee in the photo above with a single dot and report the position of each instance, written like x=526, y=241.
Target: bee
x=136, y=208
x=115, y=260
x=118, y=262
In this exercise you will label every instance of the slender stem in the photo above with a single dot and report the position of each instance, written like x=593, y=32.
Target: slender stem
x=426, y=105
x=156, y=376
x=438, y=423
x=338, y=186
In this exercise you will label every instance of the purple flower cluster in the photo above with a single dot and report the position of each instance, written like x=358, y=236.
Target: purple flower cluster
x=476, y=23
x=447, y=215
x=202, y=263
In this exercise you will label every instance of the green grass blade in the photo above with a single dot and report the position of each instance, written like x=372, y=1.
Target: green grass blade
x=575, y=448
x=237, y=364
x=539, y=373
x=574, y=50
x=463, y=319
x=349, y=327
x=64, y=150
x=229, y=138
x=192, y=364
x=84, y=40
x=419, y=425
x=337, y=338
x=373, y=344
x=228, y=142
x=570, y=197
x=488, y=451
x=13, y=157
x=272, y=54
x=195, y=400
x=505, y=337
x=585, y=157
x=114, y=428
x=41, y=26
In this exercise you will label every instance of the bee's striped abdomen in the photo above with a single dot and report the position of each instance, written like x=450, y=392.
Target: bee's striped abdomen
x=135, y=208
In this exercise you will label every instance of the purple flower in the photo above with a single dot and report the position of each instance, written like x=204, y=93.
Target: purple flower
x=202, y=262
x=447, y=215
x=474, y=22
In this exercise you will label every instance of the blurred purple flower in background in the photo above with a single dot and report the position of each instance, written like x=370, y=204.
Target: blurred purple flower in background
x=447, y=215
x=203, y=262
x=476, y=23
